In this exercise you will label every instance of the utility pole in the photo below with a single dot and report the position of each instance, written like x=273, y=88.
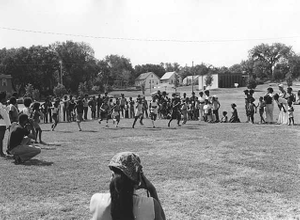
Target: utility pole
x=61, y=80
x=193, y=76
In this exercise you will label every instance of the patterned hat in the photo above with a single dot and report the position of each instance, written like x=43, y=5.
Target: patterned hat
x=129, y=163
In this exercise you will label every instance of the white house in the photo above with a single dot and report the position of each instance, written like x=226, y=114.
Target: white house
x=169, y=77
x=150, y=80
x=189, y=79
x=202, y=84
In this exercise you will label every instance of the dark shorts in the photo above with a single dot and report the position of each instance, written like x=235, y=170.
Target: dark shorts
x=79, y=117
x=153, y=116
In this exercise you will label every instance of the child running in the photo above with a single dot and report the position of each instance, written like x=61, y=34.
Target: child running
x=105, y=111
x=55, y=111
x=36, y=115
x=184, y=110
x=138, y=112
x=115, y=115
x=79, y=111
x=153, y=109
x=175, y=109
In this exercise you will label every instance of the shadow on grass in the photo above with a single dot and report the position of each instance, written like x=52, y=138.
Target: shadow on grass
x=36, y=162
x=93, y=131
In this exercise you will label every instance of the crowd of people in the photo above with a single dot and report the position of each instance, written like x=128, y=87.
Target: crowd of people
x=205, y=107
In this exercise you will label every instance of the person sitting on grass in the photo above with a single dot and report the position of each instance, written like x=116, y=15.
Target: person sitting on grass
x=19, y=141
x=234, y=114
x=224, y=119
x=122, y=202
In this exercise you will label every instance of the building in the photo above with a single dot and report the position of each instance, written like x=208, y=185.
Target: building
x=170, y=77
x=231, y=80
x=225, y=80
x=202, y=80
x=6, y=83
x=189, y=79
x=150, y=80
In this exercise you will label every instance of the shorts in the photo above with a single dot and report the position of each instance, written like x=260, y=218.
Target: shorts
x=79, y=117
x=153, y=116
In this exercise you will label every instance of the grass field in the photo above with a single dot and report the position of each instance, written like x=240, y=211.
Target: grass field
x=201, y=171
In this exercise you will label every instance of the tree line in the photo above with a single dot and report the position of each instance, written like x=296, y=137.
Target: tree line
x=71, y=67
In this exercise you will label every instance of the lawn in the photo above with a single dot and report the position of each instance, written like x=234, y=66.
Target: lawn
x=201, y=171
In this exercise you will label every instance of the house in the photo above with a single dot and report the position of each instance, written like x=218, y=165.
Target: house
x=169, y=77
x=189, y=79
x=6, y=84
x=150, y=80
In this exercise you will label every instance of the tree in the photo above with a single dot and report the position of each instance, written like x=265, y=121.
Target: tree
x=60, y=90
x=82, y=89
x=171, y=67
x=270, y=55
x=236, y=69
x=251, y=83
x=29, y=90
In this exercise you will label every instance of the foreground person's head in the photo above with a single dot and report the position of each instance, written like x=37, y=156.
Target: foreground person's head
x=126, y=177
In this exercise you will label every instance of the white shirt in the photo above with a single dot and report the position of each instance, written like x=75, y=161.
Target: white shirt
x=4, y=121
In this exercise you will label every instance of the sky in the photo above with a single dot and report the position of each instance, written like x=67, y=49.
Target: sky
x=213, y=32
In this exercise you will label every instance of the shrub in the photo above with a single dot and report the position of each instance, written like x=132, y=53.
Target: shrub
x=59, y=90
x=251, y=83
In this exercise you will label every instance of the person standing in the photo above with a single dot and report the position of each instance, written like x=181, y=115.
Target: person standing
x=175, y=109
x=201, y=101
x=92, y=104
x=13, y=110
x=99, y=102
x=79, y=110
x=131, y=107
x=122, y=104
x=4, y=121
x=268, y=98
x=65, y=108
x=283, y=107
x=85, y=102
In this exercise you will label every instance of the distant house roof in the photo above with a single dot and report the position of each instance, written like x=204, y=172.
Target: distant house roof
x=167, y=75
x=144, y=76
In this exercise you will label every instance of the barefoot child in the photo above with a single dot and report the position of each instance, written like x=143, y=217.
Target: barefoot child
x=79, y=111
x=55, y=111
x=224, y=119
x=153, y=110
x=290, y=110
x=138, y=112
x=261, y=109
x=36, y=116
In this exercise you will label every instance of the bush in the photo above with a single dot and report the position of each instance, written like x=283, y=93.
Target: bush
x=59, y=90
x=251, y=83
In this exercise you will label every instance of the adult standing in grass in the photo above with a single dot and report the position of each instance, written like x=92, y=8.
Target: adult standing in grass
x=19, y=141
x=176, y=114
x=122, y=202
x=4, y=121
x=282, y=105
x=85, y=102
x=268, y=98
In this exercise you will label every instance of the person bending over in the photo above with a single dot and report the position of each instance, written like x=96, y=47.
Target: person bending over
x=122, y=202
x=19, y=141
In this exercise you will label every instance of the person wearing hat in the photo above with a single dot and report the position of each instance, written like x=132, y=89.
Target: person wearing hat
x=122, y=202
x=282, y=92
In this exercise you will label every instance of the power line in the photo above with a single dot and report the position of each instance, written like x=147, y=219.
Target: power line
x=145, y=39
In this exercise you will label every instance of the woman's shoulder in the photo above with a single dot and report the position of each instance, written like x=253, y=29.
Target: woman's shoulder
x=100, y=206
